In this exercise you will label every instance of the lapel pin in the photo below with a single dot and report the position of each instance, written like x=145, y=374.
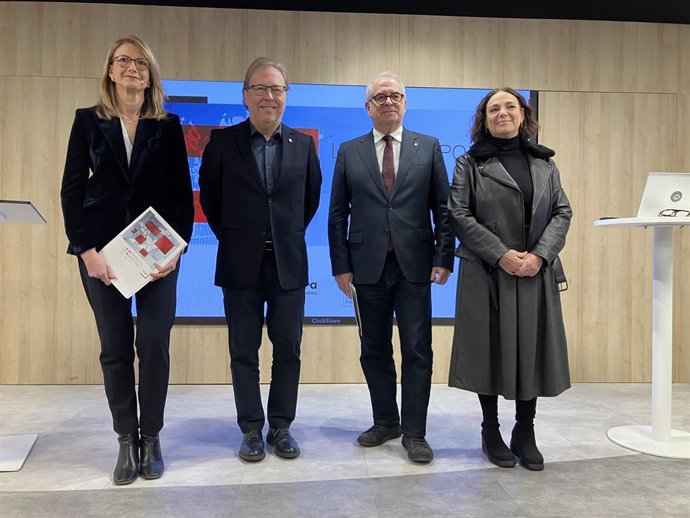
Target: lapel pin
x=290, y=139
x=415, y=144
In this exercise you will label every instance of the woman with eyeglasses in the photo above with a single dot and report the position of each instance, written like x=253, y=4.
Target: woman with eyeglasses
x=125, y=154
x=511, y=215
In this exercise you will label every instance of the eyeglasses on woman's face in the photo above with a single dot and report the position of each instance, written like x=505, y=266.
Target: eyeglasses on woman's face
x=124, y=61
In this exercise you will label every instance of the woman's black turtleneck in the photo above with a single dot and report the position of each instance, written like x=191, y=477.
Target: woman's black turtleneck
x=516, y=163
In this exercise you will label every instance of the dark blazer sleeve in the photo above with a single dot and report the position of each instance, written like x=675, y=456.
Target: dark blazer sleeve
x=73, y=189
x=313, y=184
x=338, y=217
x=179, y=205
x=210, y=184
x=438, y=201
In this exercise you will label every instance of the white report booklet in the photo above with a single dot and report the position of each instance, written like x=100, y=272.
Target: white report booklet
x=132, y=253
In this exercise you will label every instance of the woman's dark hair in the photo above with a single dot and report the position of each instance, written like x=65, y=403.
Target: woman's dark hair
x=528, y=128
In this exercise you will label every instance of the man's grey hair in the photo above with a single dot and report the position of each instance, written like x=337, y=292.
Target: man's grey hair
x=389, y=75
x=261, y=63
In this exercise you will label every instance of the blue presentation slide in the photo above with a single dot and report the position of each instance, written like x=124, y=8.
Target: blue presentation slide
x=332, y=114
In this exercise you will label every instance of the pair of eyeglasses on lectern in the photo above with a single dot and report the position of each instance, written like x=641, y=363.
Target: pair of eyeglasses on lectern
x=675, y=213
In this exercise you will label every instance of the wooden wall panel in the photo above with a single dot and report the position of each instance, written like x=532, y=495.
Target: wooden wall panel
x=615, y=98
x=621, y=138
x=681, y=271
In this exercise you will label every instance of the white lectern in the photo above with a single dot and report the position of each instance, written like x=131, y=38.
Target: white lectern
x=658, y=439
x=14, y=449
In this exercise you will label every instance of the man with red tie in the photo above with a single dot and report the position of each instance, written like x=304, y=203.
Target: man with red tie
x=389, y=236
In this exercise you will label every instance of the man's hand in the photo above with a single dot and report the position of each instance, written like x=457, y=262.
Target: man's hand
x=439, y=275
x=344, y=280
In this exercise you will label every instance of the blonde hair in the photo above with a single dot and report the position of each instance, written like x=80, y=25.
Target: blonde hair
x=154, y=96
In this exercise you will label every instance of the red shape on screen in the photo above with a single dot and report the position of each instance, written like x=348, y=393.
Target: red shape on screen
x=199, y=216
x=143, y=252
x=196, y=138
x=140, y=239
x=313, y=133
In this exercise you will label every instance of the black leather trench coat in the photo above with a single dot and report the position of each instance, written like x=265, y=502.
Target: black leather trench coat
x=509, y=335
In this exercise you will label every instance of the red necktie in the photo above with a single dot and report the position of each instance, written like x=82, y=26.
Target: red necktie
x=388, y=173
x=388, y=166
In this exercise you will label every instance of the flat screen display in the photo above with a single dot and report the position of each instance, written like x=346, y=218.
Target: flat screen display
x=331, y=114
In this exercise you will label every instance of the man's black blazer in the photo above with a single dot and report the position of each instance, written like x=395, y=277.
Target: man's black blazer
x=97, y=206
x=237, y=206
x=358, y=194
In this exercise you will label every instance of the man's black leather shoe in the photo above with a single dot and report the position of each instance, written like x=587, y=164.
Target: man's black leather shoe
x=151, y=457
x=284, y=444
x=252, y=448
x=418, y=450
x=378, y=434
x=127, y=466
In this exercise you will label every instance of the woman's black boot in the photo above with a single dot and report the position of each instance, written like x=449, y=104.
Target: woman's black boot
x=523, y=443
x=492, y=442
x=127, y=466
x=151, y=457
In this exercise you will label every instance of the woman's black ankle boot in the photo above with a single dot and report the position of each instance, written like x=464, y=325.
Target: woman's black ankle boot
x=492, y=442
x=151, y=457
x=127, y=466
x=494, y=447
x=523, y=443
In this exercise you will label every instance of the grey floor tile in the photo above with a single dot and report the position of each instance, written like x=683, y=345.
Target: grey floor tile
x=68, y=472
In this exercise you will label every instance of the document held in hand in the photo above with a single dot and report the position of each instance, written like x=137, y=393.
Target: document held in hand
x=355, y=303
x=132, y=253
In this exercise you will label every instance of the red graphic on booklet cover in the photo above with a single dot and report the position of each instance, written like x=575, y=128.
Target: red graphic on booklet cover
x=164, y=244
x=140, y=239
x=143, y=252
x=153, y=228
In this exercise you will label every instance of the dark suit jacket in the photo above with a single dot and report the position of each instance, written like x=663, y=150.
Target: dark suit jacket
x=358, y=194
x=97, y=207
x=237, y=206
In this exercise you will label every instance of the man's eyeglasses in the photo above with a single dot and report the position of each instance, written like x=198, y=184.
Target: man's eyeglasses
x=381, y=99
x=124, y=62
x=672, y=213
x=262, y=90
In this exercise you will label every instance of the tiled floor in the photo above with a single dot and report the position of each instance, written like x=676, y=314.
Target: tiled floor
x=68, y=472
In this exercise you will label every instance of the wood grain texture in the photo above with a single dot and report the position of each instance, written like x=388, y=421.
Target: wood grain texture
x=614, y=103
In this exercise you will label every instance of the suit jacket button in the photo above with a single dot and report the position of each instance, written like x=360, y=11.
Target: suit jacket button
x=270, y=200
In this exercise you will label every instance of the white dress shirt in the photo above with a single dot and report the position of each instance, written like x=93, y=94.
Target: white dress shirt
x=128, y=143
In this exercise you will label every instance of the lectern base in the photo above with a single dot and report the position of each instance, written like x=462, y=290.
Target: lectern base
x=14, y=449
x=639, y=438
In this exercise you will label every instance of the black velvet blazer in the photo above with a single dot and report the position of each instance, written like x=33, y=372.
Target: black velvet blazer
x=101, y=194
